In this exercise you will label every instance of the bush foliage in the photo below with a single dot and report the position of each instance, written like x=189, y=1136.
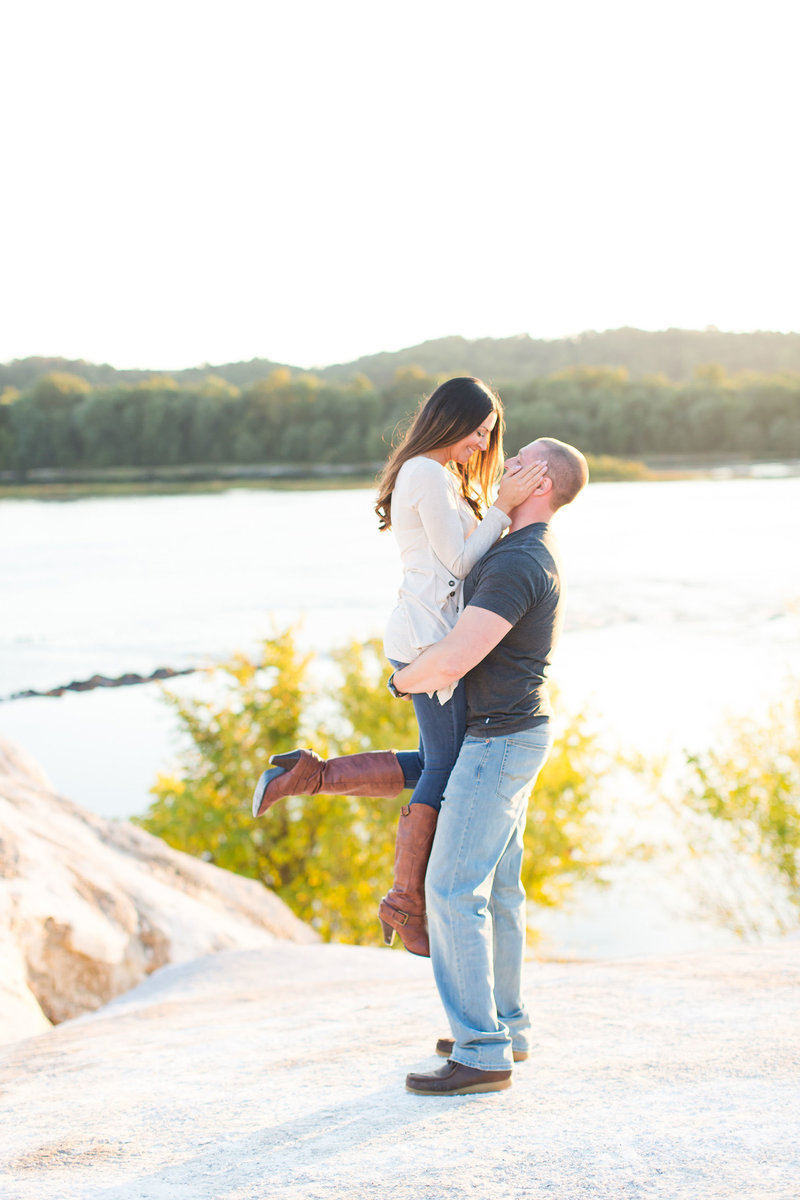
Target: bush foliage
x=752, y=784
x=331, y=857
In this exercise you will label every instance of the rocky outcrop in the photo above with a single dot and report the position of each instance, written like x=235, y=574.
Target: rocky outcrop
x=89, y=907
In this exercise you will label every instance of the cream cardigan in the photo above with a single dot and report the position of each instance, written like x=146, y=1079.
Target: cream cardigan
x=440, y=540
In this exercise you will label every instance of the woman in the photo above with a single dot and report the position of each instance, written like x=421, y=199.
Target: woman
x=435, y=492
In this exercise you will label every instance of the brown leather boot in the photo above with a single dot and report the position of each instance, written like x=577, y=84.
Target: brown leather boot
x=303, y=773
x=403, y=908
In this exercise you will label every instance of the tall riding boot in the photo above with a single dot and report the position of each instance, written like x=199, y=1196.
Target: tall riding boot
x=403, y=908
x=303, y=773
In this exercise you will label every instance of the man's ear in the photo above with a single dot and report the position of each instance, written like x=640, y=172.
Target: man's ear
x=544, y=486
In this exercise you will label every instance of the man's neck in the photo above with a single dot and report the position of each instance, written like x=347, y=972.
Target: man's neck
x=531, y=512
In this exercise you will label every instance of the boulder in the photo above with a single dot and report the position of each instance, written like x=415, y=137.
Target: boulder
x=89, y=907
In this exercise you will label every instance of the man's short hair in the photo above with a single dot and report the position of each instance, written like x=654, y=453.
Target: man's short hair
x=566, y=468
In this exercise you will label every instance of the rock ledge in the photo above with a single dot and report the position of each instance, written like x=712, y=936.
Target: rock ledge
x=89, y=907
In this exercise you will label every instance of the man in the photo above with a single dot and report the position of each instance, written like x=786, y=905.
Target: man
x=501, y=647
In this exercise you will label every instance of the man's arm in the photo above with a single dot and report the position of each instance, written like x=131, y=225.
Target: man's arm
x=476, y=632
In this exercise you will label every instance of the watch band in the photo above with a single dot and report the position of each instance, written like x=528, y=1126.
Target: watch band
x=398, y=695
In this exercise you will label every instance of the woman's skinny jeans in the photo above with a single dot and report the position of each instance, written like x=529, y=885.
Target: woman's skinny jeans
x=441, y=732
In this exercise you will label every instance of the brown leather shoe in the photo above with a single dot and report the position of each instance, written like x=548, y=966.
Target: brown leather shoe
x=454, y=1079
x=402, y=909
x=445, y=1047
x=303, y=773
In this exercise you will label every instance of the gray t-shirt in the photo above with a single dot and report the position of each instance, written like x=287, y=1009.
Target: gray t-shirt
x=519, y=580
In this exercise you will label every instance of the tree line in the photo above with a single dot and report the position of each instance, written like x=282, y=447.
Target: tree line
x=62, y=420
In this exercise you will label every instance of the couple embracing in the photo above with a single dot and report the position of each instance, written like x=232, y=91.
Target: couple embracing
x=478, y=614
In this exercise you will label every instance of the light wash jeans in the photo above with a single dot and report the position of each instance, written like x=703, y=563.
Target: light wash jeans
x=475, y=898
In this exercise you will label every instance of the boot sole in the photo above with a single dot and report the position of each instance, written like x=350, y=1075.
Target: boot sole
x=262, y=785
x=471, y=1089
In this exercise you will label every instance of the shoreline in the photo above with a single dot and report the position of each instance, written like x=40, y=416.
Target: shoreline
x=46, y=483
x=53, y=483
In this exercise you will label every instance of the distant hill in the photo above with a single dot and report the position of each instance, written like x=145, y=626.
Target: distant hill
x=674, y=353
x=24, y=371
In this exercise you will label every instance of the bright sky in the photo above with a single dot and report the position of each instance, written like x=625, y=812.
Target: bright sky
x=312, y=180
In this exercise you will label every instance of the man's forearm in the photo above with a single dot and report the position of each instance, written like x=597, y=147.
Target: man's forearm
x=435, y=668
x=476, y=632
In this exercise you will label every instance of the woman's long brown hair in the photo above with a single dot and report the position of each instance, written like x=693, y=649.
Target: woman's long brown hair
x=452, y=412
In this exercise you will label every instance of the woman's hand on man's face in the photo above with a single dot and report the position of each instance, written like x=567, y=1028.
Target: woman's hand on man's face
x=518, y=482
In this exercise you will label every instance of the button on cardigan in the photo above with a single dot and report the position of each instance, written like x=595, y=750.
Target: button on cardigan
x=440, y=540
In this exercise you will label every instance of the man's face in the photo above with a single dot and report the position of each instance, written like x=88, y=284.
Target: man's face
x=524, y=457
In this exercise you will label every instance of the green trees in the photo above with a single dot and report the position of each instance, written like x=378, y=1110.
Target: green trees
x=7, y=440
x=330, y=857
x=61, y=420
x=41, y=422
x=259, y=425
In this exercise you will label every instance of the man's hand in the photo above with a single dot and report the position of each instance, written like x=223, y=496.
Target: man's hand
x=476, y=633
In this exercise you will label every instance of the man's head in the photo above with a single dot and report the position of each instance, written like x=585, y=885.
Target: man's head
x=567, y=472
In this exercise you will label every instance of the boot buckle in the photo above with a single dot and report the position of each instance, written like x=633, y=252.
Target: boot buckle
x=399, y=918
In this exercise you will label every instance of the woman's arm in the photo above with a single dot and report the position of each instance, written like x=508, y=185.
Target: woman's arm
x=438, y=511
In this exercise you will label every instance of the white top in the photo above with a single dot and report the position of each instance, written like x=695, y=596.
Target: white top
x=440, y=540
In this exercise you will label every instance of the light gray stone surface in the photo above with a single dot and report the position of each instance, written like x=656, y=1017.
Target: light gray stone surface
x=89, y=907
x=278, y=1074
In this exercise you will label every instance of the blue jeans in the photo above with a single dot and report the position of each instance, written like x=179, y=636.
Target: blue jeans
x=441, y=732
x=475, y=898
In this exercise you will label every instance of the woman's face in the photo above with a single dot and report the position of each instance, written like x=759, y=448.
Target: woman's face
x=461, y=452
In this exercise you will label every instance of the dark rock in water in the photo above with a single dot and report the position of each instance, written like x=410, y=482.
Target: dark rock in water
x=98, y=681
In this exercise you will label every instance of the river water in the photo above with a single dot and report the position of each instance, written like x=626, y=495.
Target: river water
x=683, y=610
x=683, y=607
